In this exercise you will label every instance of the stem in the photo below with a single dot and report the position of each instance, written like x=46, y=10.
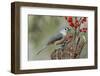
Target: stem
x=75, y=35
x=80, y=21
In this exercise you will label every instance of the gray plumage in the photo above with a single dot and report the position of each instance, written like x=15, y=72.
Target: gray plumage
x=58, y=37
x=51, y=41
x=55, y=38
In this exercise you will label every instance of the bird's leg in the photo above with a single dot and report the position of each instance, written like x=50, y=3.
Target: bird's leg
x=65, y=44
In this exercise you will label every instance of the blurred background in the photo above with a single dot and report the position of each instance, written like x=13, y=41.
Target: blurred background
x=40, y=30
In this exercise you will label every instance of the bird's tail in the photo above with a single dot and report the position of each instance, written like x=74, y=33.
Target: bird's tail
x=41, y=50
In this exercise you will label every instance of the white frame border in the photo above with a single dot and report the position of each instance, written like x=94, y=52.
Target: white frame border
x=25, y=64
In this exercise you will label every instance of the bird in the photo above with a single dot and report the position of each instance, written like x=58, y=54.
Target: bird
x=57, y=39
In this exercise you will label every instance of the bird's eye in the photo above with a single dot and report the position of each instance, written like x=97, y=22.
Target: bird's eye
x=65, y=29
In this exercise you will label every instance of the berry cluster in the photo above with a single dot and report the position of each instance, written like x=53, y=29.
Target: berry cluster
x=75, y=23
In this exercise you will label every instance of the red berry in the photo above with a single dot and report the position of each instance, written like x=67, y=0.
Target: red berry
x=85, y=31
x=84, y=28
x=75, y=27
x=84, y=19
x=76, y=23
x=71, y=24
x=70, y=19
x=80, y=30
x=70, y=36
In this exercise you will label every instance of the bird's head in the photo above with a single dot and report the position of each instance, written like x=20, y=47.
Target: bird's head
x=65, y=30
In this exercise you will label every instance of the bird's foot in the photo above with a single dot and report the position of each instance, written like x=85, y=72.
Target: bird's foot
x=61, y=48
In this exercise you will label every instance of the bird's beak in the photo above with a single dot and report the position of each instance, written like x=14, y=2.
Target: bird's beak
x=68, y=28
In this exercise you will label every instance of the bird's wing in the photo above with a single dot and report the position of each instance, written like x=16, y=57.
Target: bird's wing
x=60, y=41
x=55, y=38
